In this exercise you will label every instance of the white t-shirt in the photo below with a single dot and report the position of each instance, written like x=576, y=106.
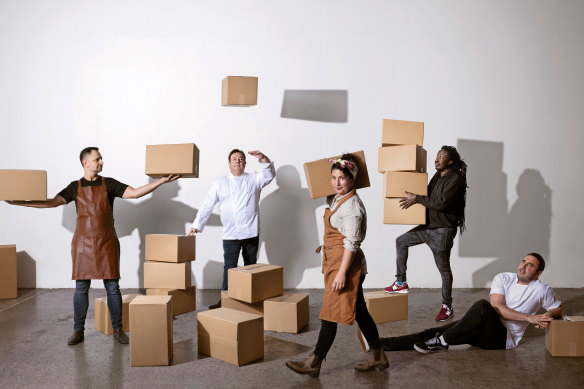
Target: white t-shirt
x=527, y=299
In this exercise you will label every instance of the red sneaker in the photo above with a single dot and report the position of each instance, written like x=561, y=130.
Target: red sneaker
x=445, y=313
x=395, y=288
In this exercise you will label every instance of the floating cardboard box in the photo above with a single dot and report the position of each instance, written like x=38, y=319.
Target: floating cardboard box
x=238, y=90
x=255, y=283
x=288, y=313
x=30, y=185
x=8, y=276
x=170, y=248
x=565, y=338
x=232, y=336
x=395, y=184
x=394, y=214
x=407, y=158
x=318, y=175
x=162, y=275
x=385, y=307
x=183, y=301
x=162, y=160
x=103, y=322
x=255, y=308
x=401, y=132
x=151, y=331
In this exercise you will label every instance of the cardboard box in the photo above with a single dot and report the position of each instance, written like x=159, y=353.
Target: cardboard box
x=386, y=307
x=238, y=90
x=318, y=175
x=396, y=183
x=151, y=331
x=288, y=313
x=255, y=283
x=8, y=277
x=232, y=336
x=407, y=158
x=162, y=275
x=565, y=338
x=255, y=308
x=170, y=248
x=103, y=322
x=23, y=185
x=394, y=214
x=401, y=132
x=162, y=160
x=183, y=301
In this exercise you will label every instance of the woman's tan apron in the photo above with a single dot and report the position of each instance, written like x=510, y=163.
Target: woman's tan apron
x=95, y=248
x=338, y=307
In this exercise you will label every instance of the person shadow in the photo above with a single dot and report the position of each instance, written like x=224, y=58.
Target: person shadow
x=289, y=231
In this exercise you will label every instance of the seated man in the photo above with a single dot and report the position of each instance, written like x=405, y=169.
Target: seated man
x=515, y=300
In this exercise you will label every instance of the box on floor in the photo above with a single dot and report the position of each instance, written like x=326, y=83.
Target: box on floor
x=386, y=307
x=183, y=301
x=565, y=338
x=287, y=313
x=151, y=341
x=103, y=322
x=8, y=275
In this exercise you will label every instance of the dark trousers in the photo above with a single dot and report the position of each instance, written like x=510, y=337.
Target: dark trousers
x=328, y=329
x=231, y=249
x=81, y=303
x=440, y=241
x=481, y=326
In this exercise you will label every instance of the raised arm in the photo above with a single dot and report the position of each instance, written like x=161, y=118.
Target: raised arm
x=143, y=190
x=51, y=203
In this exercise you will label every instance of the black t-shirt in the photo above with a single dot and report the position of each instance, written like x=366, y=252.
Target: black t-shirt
x=114, y=189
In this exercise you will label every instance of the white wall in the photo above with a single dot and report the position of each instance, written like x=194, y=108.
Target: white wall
x=121, y=75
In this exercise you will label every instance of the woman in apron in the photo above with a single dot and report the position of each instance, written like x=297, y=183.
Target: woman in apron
x=344, y=270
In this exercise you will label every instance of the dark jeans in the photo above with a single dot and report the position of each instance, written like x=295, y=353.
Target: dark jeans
x=328, y=329
x=440, y=241
x=231, y=249
x=81, y=303
x=481, y=326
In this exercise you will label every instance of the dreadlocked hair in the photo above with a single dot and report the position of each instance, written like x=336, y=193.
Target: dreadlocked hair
x=460, y=167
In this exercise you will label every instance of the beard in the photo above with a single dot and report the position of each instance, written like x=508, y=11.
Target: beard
x=524, y=278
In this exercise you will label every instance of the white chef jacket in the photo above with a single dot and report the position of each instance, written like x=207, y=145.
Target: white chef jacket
x=238, y=199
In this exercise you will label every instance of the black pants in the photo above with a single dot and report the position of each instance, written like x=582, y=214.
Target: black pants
x=231, y=249
x=481, y=326
x=328, y=329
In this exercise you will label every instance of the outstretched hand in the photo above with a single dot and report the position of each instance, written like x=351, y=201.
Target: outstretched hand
x=193, y=231
x=407, y=202
x=259, y=155
x=170, y=178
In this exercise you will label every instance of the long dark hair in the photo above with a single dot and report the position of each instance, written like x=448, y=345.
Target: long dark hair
x=460, y=167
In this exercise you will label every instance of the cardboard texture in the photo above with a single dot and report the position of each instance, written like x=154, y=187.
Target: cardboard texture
x=401, y=132
x=103, y=322
x=318, y=175
x=407, y=158
x=21, y=185
x=396, y=183
x=8, y=275
x=255, y=283
x=170, y=248
x=255, y=308
x=393, y=214
x=151, y=331
x=162, y=275
x=183, y=301
x=385, y=307
x=238, y=90
x=288, y=313
x=232, y=336
x=162, y=160
x=565, y=338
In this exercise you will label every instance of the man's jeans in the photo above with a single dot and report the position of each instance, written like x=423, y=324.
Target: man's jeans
x=81, y=303
x=231, y=249
x=440, y=241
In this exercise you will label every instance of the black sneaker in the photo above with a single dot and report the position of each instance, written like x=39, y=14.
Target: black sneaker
x=431, y=346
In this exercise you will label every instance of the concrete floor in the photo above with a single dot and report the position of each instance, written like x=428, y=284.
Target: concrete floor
x=34, y=353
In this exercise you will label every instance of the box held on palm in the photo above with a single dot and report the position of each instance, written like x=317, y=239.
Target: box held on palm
x=27, y=185
x=163, y=160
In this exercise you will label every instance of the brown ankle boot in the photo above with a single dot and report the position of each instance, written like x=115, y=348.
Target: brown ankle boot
x=76, y=338
x=377, y=361
x=310, y=366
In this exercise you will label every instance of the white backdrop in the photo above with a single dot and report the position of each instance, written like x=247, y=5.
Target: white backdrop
x=502, y=80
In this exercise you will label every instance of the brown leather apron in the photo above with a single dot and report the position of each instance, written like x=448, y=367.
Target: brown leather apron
x=338, y=307
x=95, y=248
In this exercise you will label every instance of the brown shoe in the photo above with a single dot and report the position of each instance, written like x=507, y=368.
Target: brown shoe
x=76, y=338
x=310, y=366
x=215, y=306
x=121, y=337
x=377, y=361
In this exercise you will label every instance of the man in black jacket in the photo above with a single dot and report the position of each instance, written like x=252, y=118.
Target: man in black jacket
x=445, y=205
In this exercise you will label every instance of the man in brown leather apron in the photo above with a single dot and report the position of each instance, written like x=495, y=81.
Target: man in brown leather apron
x=95, y=248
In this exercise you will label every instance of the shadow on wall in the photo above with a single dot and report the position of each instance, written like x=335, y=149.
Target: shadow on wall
x=159, y=214
x=25, y=270
x=492, y=231
x=288, y=226
x=317, y=105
